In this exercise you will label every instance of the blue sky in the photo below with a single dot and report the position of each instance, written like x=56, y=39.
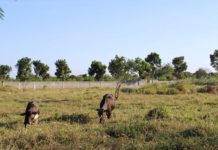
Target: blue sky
x=81, y=31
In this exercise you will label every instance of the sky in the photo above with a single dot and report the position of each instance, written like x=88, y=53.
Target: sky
x=81, y=31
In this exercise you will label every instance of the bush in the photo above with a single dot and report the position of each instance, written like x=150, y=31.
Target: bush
x=179, y=143
x=128, y=90
x=202, y=89
x=194, y=132
x=172, y=91
x=157, y=113
x=156, y=88
x=205, y=81
x=212, y=89
x=74, y=118
x=150, y=132
x=184, y=87
x=131, y=130
x=149, y=89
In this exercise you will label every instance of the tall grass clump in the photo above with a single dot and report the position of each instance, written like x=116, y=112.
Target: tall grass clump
x=205, y=81
x=181, y=87
x=194, y=132
x=212, y=89
x=151, y=88
x=157, y=113
x=133, y=129
x=8, y=89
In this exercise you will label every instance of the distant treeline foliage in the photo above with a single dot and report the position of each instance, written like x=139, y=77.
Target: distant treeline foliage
x=120, y=68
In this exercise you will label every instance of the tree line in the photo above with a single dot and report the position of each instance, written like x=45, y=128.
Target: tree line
x=119, y=67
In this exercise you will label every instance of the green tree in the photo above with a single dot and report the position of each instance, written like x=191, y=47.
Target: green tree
x=24, y=71
x=1, y=14
x=62, y=69
x=117, y=68
x=214, y=60
x=130, y=69
x=154, y=60
x=97, y=69
x=142, y=67
x=4, y=72
x=165, y=72
x=41, y=69
x=179, y=67
x=200, y=73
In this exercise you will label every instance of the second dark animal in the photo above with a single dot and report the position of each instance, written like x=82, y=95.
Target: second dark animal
x=31, y=113
x=107, y=104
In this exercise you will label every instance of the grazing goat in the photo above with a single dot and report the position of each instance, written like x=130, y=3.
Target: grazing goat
x=31, y=114
x=107, y=104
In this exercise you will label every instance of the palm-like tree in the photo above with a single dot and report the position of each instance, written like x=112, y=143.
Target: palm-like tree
x=1, y=13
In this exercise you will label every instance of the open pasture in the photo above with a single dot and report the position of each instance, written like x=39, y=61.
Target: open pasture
x=69, y=120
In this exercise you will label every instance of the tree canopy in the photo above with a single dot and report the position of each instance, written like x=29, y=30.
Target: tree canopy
x=24, y=66
x=97, y=69
x=214, y=59
x=154, y=60
x=118, y=68
x=141, y=67
x=179, y=67
x=41, y=69
x=4, y=71
x=165, y=72
x=200, y=73
x=1, y=13
x=62, y=69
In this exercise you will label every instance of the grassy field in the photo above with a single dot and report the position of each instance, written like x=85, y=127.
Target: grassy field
x=140, y=121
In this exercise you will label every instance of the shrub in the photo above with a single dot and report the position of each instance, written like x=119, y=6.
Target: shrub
x=128, y=90
x=205, y=81
x=156, y=88
x=184, y=87
x=172, y=91
x=149, y=89
x=202, y=89
x=150, y=132
x=194, y=132
x=212, y=89
x=74, y=118
x=179, y=143
x=157, y=113
x=131, y=130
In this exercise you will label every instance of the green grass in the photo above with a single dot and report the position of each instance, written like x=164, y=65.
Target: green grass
x=140, y=121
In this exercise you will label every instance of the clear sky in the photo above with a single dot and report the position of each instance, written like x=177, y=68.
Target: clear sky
x=81, y=31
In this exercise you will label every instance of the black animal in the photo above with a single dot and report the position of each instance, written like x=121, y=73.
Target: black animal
x=31, y=114
x=107, y=104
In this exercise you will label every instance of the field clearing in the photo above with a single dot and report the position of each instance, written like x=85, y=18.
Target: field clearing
x=69, y=120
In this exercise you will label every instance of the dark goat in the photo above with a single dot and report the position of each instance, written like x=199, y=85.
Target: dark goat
x=107, y=104
x=31, y=114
